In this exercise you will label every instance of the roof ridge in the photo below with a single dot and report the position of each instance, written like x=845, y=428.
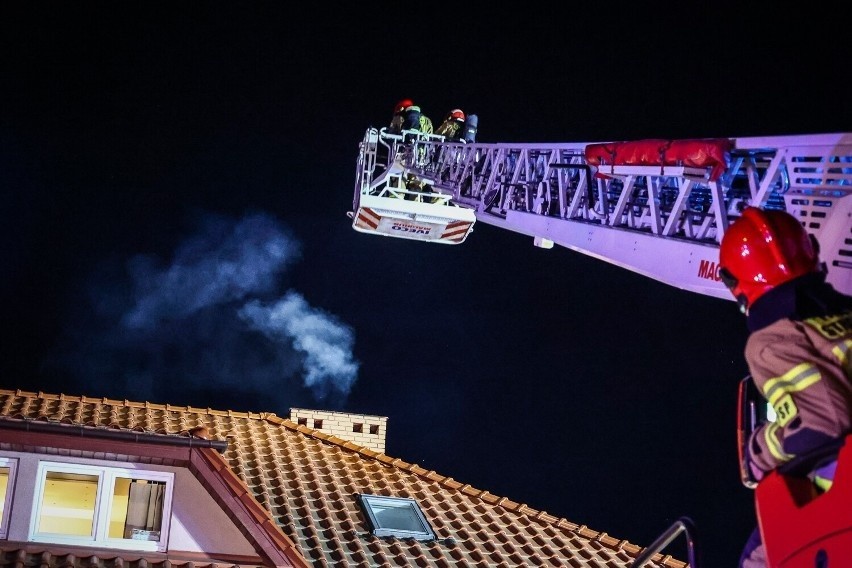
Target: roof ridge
x=136, y=404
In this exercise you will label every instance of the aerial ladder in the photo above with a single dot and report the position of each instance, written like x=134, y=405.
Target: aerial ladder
x=658, y=208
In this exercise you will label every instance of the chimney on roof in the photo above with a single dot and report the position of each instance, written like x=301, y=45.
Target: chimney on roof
x=362, y=429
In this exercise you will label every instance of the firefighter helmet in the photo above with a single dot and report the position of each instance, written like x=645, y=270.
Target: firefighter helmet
x=457, y=114
x=402, y=105
x=764, y=249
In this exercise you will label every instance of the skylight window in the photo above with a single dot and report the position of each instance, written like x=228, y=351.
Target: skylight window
x=396, y=516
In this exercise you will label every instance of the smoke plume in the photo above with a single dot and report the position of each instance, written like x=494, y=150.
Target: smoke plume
x=213, y=318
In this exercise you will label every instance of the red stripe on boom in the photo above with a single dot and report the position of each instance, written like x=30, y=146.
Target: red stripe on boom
x=456, y=231
x=367, y=218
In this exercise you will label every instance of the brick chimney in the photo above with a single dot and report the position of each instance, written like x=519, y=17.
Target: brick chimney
x=362, y=429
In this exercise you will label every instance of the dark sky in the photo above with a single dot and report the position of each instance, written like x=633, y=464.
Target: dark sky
x=175, y=182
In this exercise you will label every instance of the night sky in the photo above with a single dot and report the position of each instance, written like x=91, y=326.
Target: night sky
x=175, y=182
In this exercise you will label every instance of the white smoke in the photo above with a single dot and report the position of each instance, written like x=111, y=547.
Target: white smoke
x=214, y=317
x=325, y=343
x=226, y=262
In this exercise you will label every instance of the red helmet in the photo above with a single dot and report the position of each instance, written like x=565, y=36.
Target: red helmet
x=762, y=250
x=402, y=105
x=457, y=114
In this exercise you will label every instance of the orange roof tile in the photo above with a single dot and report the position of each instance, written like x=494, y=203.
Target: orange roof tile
x=19, y=555
x=307, y=482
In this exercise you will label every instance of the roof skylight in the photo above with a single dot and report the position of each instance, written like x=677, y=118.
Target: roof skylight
x=396, y=516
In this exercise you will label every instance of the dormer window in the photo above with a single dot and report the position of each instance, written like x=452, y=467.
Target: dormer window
x=396, y=516
x=102, y=506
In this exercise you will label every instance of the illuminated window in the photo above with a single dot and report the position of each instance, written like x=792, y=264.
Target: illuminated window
x=111, y=507
x=396, y=516
x=7, y=481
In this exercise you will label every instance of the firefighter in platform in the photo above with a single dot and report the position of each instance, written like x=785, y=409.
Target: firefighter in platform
x=414, y=119
x=799, y=348
x=453, y=126
x=399, y=115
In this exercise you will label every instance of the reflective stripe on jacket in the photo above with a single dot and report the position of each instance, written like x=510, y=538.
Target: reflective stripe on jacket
x=804, y=370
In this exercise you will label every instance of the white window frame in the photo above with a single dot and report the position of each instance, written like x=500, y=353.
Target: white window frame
x=106, y=486
x=12, y=464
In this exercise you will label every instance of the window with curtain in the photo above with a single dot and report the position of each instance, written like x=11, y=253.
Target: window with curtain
x=112, y=507
x=144, y=508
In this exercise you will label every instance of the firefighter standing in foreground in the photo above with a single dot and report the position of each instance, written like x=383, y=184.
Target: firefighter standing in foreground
x=799, y=349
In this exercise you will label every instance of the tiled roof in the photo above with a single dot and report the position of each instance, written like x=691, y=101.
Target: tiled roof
x=308, y=480
x=50, y=556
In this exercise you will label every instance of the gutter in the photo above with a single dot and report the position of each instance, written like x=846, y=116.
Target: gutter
x=196, y=439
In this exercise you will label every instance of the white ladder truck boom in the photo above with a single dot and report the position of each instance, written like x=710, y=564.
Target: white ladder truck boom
x=656, y=207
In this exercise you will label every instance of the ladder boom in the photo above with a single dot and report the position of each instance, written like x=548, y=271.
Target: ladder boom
x=663, y=219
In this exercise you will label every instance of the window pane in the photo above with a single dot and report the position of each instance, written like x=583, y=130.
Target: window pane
x=68, y=504
x=118, y=513
x=144, y=510
x=398, y=517
x=4, y=484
